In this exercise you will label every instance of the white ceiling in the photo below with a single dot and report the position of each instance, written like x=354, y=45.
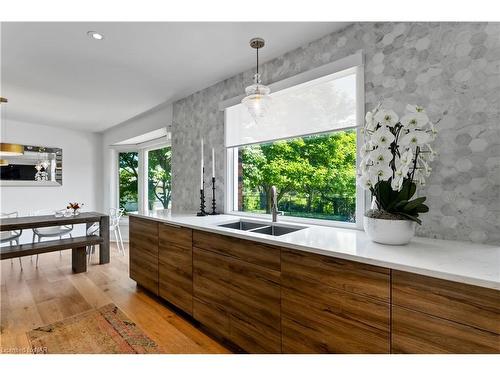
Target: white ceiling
x=54, y=74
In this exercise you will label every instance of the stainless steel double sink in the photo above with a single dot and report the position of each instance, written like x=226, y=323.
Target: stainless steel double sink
x=262, y=227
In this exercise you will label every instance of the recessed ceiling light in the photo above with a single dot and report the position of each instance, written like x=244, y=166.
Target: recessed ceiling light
x=95, y=35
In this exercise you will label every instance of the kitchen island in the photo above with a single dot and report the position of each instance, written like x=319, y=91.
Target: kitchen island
x=320, y=289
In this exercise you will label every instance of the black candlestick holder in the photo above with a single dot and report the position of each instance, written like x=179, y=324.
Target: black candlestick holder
x=202, y=211
x=214, y=212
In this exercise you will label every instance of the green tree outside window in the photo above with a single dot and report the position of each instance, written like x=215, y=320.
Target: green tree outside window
x=128, y=180
x=315, y=176
x=160, y=178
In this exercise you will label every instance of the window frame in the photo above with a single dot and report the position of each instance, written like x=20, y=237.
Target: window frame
x=142, y=150
x=231, y=155
x=146, y=151
x=122, y=150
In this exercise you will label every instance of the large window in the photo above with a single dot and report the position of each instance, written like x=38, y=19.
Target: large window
x=315, y=176
x=144, y=177
x=128, y=173
x=159, y=178
x=305, y=145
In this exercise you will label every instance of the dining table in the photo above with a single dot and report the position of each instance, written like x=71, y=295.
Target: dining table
x=77, y=244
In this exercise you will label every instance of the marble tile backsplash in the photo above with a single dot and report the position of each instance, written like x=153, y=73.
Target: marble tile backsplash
x=452, y=69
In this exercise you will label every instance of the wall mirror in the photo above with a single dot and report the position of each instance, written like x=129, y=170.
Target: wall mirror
x=24, y=165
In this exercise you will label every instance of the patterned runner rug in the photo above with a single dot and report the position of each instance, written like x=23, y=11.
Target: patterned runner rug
x=106, y=330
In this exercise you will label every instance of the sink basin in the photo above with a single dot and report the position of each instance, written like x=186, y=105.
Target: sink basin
x=276, y=230
x=243, y=225
x=261, y=227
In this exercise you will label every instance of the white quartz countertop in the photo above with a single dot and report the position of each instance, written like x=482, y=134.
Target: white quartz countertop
x=463, y=262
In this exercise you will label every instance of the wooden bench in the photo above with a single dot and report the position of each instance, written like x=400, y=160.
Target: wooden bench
x=77, y=244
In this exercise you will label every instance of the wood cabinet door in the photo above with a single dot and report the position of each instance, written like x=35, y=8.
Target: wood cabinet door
x=257, y=253
x=211, y=291
x=176, y=266
x=431, y=315
x=321, y=314
x=414, y=332
x=255, y=297
x=143, y=252
x=466, y=304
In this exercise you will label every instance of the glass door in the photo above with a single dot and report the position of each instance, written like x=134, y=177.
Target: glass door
x=128, y=175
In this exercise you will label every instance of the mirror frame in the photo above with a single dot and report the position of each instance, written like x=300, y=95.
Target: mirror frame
x=59, y=168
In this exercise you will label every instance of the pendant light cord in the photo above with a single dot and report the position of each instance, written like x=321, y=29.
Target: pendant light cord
x=257, y=61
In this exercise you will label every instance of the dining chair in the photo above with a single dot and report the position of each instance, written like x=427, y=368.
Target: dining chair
x=91, y=231
x=56, y=231
x=115, y=215
x=11, y=235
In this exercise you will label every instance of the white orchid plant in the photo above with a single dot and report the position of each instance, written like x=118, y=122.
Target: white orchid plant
x=395, y=159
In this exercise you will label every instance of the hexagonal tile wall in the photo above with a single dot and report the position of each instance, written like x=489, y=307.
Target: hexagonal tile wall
x=452, y=69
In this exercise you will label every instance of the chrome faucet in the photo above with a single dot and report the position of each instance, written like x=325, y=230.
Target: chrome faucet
x=274, y=204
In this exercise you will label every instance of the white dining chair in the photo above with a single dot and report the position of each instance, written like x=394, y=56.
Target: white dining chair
x=115, y=215
x=93, y=230
x=55, y=231
x=11, y=235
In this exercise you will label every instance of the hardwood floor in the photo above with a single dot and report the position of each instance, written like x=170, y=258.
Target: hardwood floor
x=39, y=296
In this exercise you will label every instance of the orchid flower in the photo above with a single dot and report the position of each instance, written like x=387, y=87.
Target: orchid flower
x=382, y=137
x=415, y=138
x=386, y=117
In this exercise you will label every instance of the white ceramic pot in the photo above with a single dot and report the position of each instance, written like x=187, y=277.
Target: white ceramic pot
x=389, y=232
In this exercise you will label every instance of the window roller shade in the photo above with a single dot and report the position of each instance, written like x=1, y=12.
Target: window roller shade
x=321, y=105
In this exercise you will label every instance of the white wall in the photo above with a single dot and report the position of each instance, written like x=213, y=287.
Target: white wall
x=82, y=169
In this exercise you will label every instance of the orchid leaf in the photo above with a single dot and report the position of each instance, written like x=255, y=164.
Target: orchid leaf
x=408, y=190
x=422, y=208
x=414, y=203
x=410, y=217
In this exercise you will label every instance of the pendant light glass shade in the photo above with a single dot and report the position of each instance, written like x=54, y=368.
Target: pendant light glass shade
x=10, y=149
x=257, y=97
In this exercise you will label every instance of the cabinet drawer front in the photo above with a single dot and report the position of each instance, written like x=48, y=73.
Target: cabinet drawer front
x=248, y=251
x=467, y=304
x=144, y=235
x=210, y=277
x=312, y=337
x=320, y=319
x=253, y=336
x=176, y=285
x=364, y=279
x=145, y=229
x=144, y=269
x=176, y=267
x=419, y=333
x=174, y=235
x=256, y=292
x=368, y=313
x=176, y=256
x=144, y=253
x=255, y=302
x=212, y=316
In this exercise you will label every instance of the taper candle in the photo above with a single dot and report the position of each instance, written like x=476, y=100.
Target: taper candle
x=201, y=167
x=213, y=162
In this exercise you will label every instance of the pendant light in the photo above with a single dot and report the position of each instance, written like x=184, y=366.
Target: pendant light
x=9, y=149
x=257, y=95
